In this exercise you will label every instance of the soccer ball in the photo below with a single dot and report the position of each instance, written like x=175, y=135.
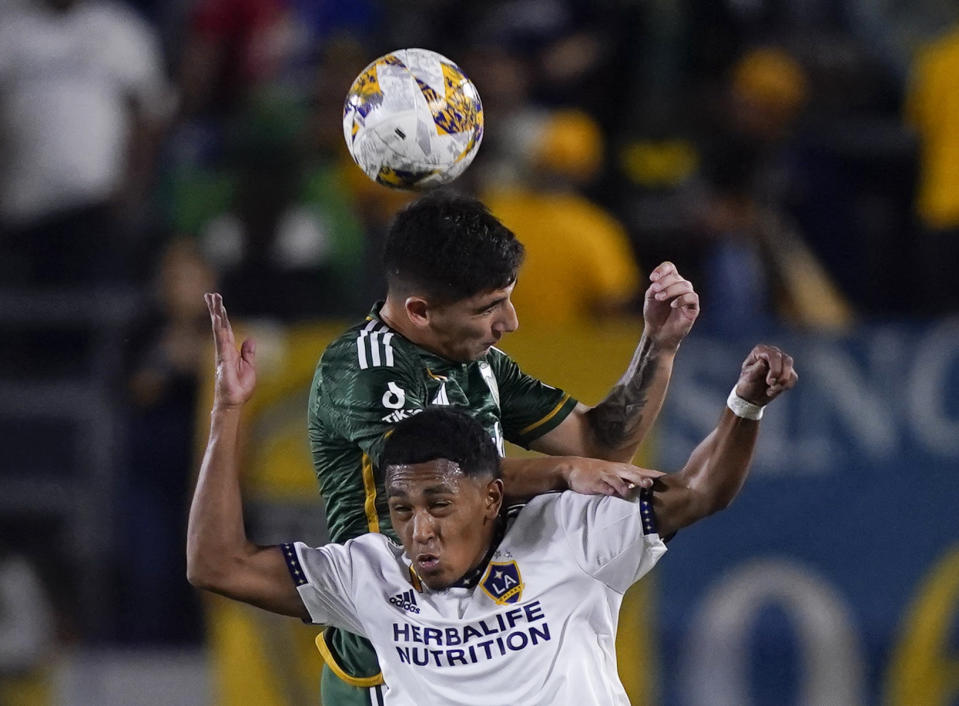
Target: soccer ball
x=413, y=120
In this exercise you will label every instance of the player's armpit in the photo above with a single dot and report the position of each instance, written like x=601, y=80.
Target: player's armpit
x=260, y=577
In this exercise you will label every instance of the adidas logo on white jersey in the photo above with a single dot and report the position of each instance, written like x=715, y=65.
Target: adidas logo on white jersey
x=406, y=601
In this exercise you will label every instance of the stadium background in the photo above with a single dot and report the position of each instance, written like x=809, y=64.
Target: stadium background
x=792, y=158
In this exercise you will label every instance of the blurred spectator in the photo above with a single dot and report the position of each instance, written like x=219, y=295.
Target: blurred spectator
x=756, y=268
x=511, y=118
x=230, y=46
x=27, y=633
x=278, y=220
x=932, y=109
x=371, y=207
x=579, y=266
x=167, y=351
x=852, y=171
x=238, y=50
x=82, y=94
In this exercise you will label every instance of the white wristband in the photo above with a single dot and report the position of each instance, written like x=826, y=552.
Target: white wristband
x=744, y=408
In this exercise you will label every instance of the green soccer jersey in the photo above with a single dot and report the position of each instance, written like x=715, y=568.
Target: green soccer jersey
x=372, y=377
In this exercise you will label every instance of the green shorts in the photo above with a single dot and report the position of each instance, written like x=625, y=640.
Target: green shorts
x=351, y=675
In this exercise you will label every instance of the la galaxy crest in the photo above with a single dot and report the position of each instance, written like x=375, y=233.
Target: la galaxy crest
x=503, y=582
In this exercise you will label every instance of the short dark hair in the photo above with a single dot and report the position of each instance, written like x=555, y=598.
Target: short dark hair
x=442, y=432
x=449, y=247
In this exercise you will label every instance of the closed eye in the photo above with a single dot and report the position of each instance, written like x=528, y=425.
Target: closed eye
x=493, y=306
x=440, y=506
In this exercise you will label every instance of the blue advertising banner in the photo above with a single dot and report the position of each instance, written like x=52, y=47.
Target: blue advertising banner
x=834, y=576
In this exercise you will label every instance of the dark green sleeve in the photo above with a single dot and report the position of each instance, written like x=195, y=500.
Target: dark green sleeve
x=529, y=407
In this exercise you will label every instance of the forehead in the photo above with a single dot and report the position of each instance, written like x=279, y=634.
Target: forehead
x=409, y=479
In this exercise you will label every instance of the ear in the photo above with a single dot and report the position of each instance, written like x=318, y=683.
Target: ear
x=417, y=311
x=494, y=498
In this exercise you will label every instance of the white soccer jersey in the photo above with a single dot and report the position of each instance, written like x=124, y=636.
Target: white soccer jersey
x=538, y=628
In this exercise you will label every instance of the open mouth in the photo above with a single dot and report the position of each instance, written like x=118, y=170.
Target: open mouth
x=427, y=562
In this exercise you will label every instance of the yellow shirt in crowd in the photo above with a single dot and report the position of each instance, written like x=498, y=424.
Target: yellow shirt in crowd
x=579, y=262
x=932, y=108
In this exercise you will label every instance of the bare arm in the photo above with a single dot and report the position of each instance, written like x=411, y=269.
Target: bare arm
x=719, y=465
x=524, y=478
x=614, y=428
x=220, y=558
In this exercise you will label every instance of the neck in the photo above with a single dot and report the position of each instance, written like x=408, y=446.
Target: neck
x=472, y=577
x=393, y=314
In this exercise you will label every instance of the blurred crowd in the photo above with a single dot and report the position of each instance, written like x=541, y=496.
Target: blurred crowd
x=797, y=160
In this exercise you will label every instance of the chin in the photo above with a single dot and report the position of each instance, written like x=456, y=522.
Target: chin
x=436, y=583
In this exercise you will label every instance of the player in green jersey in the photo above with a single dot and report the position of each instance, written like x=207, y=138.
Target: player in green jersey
x=450, y=268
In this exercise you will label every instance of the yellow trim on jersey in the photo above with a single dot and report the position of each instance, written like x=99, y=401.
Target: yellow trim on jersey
x=369, y=505
x=327, y=655
x=441, y=378
x=541, y=422
x=415, y=580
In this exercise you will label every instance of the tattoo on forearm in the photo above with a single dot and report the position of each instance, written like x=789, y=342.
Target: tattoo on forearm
x=617, y=419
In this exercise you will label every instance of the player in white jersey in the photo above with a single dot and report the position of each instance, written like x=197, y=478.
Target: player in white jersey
x=476, y=605
x=537, y=623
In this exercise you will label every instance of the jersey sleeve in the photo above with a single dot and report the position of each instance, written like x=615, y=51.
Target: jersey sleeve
x=613, y=540
x=324, y=580
x=529, y=407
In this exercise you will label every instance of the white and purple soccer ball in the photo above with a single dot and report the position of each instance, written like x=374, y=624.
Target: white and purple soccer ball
x=413, y=120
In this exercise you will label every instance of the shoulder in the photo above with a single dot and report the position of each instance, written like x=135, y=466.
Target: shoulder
x=369, y=345
x=570, y=511
x=542, y=512
x=499, y=362
x=374, y=545
x=364, y=357
x=612, y=540
x=370, y=550
x=374, y=557
x=496, y=355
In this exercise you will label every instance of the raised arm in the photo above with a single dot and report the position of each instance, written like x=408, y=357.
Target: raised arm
x=718, y=466
x=220, y=558
x=614, y=428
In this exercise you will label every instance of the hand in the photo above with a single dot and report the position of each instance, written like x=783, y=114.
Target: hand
x=591, y=476
x=670, y=307
x=235, y=369
x=766, y=373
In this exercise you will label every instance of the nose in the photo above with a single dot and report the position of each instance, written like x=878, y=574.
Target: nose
x=423, y=529
x=508, y=322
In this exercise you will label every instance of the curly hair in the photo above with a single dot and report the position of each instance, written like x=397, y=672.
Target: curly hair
x=449, y=247
x=442, y=432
